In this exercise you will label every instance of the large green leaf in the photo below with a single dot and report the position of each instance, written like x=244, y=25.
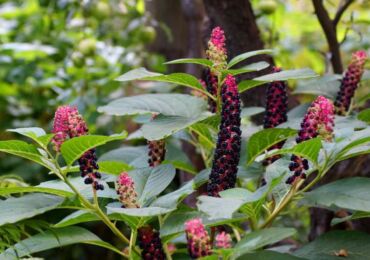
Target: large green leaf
x=327, y=85
x=269, y=255
x=28, y=189
x=166, y=104
x=35, y=133
x=74, y=148
x=16, y=209
x=354, y=243
x=364, y=115
x=115, y=207
x=249, y=84
x=113, y=167
x=261, y=238
x=170, y=200
x=134, y=156
x=246, y=55
x=25, y=150
x=164, y=126
x=350, y=193
x=288, y=74
x=248, y=68
x=53, y=239
x=262, y=140
x=138, y=73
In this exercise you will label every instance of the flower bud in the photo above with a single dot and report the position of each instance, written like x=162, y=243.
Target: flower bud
x=216, y=49
x=199, y=242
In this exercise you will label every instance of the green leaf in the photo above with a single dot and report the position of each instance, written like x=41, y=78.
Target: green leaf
x=350, y=193
x=288, y=74
x=52, y=239
x=262, y=140
x=364, y=115
x=203, y=131
x=354, y=216
x=16, y=209
x=74, y=148
x=308, y=149
x=113, y=167
x=269, y=255
x=248, y=68
x=150, y=182
x=171, y=200
x=355, y=243
x=134, y=156
x=31, y=132
x=251, y=111
x=166, y=104
x=137, y=212
x=327, y=85
x=249, y=84
x=14, y=190
x=25, y=150
x=136, y=74
x=246, y=55
x=203, y=62
x=164, y=126
x=261, y=238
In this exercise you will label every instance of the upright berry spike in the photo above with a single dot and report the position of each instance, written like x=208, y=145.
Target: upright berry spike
x=276, y=110
x=68, y=123
x=318, y=121
x=223, y=240
x=157, y=152
x=227, y=153
x=199, y=242
x=126, y=191
x=350, y=82
x=216, y=49
x=150, y=244
x=211, y=84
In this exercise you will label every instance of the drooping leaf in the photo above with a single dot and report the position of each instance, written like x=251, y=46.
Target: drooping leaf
x=115, y=207
x=14, y=190
x=350, y=193
x=134, y=156
x=249, y=84
x=288, y=74
x=136, y=74
x=53, y=239
x=325, y=247
x=327, y=86
x=261, y=238
x=171, y=199
x=204, y=62
x=248, y=68
x=113, y=167
x=262, y=140
x=16, y=209
x=246, y=55
x=251, y=111
x=74, y=148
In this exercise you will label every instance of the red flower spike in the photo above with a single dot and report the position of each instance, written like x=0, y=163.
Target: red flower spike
x=199, y=242
x=156, y=153
x=126, y=191
x=227, y=153
x=210, y=82
x=318, y=121
x=68, y=123
x=350, y=82
x=223, y=240
x=150, y=244
x=216, y=49
x=276, y=110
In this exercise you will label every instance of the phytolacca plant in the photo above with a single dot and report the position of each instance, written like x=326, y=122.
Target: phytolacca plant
x=350, y=82
x=199, y=242
x=318, y=121
x=227, y=153
x=150, y=244
x=126, y=191
x=68, y=123
x=276, y=110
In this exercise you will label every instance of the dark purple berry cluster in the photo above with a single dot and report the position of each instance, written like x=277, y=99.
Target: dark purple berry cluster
x=227, y=153
x=156, y=153
x=210, y=81
x=88, y=168
x=276, y=110
x=150, y=244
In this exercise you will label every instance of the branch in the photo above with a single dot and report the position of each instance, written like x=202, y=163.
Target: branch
x=340, y=11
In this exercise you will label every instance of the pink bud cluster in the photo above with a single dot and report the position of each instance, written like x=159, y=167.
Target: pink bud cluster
x=157, y=152
x=68, y=123
x=318, y=121
x=210, y=82
x=223, y=240
x=199, y=242
x=276, y=110
x=150, y=244
x=350, y=82
x=227, y=153
x=126, y=191
x=216, y=49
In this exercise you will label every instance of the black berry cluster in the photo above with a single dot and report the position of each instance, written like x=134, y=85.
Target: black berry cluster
x=156, y=153
x=210, y=81
x=150, y=244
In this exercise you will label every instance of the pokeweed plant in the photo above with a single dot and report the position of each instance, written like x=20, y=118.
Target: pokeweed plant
x=128, y=189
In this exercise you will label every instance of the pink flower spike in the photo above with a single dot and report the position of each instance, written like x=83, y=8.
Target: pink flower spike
x=126, y=191
x=61, y=126
x=223, y=240
x=199, y=242
x=218, y=38
x=217, y=51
